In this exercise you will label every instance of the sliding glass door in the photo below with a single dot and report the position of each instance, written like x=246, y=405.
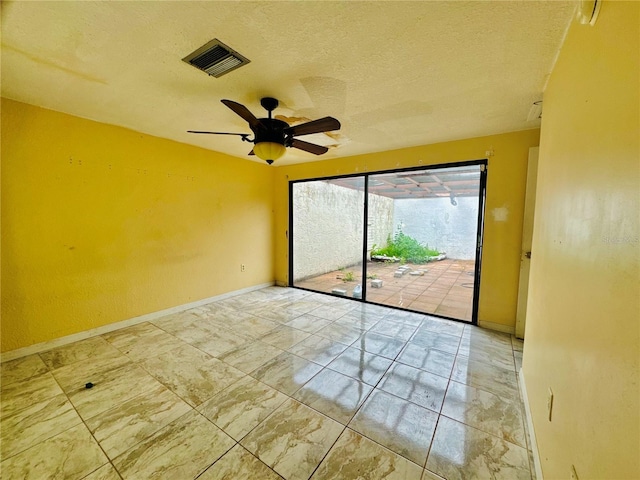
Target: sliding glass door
x=419, y=248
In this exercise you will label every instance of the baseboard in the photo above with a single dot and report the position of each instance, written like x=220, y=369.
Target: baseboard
x=59, y=342
x=532, y=433
x=497, y=327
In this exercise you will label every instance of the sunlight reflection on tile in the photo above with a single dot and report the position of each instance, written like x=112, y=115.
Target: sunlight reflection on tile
x=399, y=425
x=334, y=394
x=361, y=365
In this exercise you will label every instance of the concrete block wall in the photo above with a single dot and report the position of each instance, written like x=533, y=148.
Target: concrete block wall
x=439, y=224
x=328, y=226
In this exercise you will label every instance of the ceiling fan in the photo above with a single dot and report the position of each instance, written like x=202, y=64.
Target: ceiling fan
x=271, y=136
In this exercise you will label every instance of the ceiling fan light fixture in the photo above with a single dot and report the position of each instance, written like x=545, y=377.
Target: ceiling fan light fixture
x=269, y=151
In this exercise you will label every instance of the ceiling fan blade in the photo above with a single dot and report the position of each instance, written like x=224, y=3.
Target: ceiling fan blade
x=218, y=133
x=244, y=112
x=326, y=124
x=309, y=147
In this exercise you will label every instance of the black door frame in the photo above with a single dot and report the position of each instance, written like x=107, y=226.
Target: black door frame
x=483, y=163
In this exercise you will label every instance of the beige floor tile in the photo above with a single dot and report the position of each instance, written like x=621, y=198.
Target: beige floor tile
x=440, y=325
x=35, y=423
x=286, y=372
x=255, y=326
x=242, y=406
x=488, y=356
x=215, y=380
x=461, y=452
x=401, y=331
x=250, y=356
x=284, y=337
x=417, y=386
x=345, y=333
x=379, y=344
x=220, y=341
x=93, y=348
x=361, y=365
x=106, y=472
x=485, y=411
x=293, y=440
x=19, y=395
x=438, y=341
x=427, y=359
x=70, y=454
x=75, y=376
x=21, y=369
x=110, y=389
x=188, y=327
x=175, y=322
x=239, y=464
x=280, y=315
x=332, y=312
x=142, y=341
x=192, y=374
x=494, y=379
x=318, y=349
x=183, y=449
x=355, y=457
x=308, y=323
x=132, y=421
x=397, y=424
x=333, y=394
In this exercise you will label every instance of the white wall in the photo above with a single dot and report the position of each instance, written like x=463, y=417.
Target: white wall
x=439, y=224
x=327, y=226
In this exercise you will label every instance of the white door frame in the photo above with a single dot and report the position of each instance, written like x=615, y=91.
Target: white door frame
x=527, y=235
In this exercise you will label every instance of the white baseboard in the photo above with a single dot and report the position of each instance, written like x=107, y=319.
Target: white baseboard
x=498, y=327
x=58, y=342
x=532, y=433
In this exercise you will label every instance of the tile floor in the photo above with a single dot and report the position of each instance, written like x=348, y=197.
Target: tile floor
x=276, y=383
x=446, y=288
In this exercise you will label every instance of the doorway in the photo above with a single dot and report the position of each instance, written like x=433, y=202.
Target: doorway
x=408, y=239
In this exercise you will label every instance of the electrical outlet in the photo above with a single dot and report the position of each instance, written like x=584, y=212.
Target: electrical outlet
x=242, y=267
x=574, y=475
x=549, y=403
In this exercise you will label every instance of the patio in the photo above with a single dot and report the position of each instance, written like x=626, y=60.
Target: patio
x=446, y=288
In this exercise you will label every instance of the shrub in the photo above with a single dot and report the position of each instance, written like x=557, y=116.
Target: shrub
x=348, y=277
x=406, y=248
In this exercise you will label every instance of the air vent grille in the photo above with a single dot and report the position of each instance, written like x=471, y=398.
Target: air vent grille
x=216, y=59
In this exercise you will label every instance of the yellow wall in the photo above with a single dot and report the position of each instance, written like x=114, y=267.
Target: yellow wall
x=101, y=224
x=506, y=179
x=583, y=320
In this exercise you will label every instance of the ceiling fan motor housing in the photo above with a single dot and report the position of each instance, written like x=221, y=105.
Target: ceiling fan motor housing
x=273, y=131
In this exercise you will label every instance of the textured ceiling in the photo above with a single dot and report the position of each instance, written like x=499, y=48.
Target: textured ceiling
x=396, y=74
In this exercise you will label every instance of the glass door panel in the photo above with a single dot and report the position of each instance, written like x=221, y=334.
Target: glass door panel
x=428, y=223
x=327, y=235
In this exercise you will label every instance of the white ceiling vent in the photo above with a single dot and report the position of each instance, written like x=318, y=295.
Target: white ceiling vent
x=215, y=58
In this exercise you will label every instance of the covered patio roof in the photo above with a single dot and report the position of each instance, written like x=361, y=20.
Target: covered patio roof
x=433, y=183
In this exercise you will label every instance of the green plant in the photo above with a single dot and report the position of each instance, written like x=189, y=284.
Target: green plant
x=348, y=277
x=407, y=249
x=372, y=276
